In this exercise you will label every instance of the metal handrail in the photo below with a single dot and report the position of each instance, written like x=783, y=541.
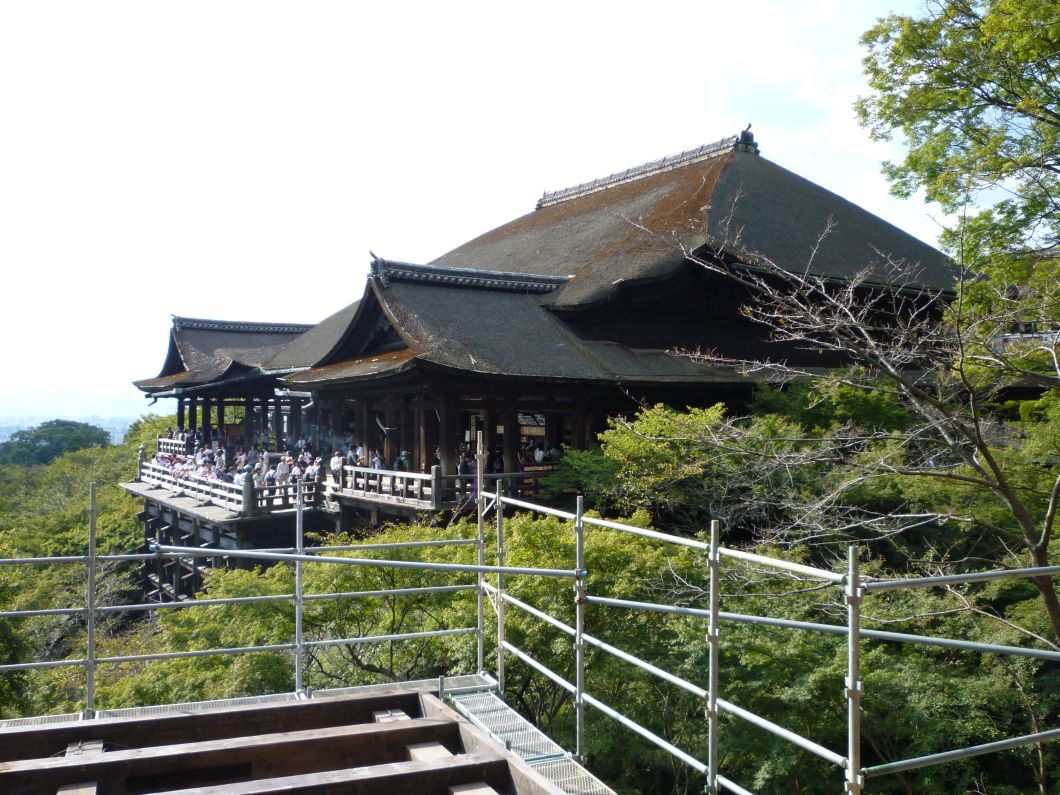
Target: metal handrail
x=854, y=591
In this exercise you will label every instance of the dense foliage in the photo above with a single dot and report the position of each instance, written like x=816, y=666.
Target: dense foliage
x=918, y=699
x=974, y=88
x=49, y=440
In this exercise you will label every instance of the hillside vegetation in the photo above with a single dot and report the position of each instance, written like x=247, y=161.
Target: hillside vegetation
x=918, y=699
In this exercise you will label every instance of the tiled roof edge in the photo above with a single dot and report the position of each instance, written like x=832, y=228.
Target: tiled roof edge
x=387, y=271
x=237, y=325
x=743, y=142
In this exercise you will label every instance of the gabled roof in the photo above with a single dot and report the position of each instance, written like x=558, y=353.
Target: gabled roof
x=633, y=227
x=315, y=344
x=489, y=323
x=207, y=351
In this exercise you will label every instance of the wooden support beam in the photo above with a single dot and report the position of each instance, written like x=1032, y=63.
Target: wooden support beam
x=407, y=778
x=231, y=759
x=29, y=742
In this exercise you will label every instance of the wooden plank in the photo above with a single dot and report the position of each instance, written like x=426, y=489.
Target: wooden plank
x=231, y=759
x=29, y=742
x=407, y=778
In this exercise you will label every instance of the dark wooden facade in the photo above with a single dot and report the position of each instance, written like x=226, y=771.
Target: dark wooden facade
x=541, y=329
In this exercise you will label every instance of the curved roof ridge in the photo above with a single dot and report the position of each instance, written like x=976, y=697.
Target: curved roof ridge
x=238, y=325
x=386, y=271
x=744, y=142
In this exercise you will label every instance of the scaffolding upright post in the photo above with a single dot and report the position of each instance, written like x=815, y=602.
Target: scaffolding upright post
x=854, y=687
x=713, y=639
x=579, y=628
x=500, y=590
x=90, y=603
x=480, y=501
x=299, y=542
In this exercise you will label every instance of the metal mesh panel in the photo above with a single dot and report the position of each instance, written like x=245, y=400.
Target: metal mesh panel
x=489, y=712
x=571, y=777
x=508, y=726
x=40, y=720
x=453, y=684
x=194, y=706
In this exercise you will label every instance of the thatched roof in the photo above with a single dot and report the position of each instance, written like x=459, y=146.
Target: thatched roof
x=633, y=227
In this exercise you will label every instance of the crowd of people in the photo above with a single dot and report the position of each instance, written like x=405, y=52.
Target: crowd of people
x=219, y=460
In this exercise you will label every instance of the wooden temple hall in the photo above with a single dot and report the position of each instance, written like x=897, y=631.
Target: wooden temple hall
x=537, y=331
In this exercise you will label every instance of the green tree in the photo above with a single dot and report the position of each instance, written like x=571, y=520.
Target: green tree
x=973, y=86
x=49, y=440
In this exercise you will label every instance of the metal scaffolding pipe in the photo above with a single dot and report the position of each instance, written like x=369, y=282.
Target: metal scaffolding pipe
x=437, y=633
x=184, y=552
x=833, y=629
x=541, y=669
x=880, y=586
x=961, y=753
x=713, y=652
x=780, y=731
x=651, y=737
x=579, y=631
x=695, y=690
x=90, y=611
x=784, y=565
x=555, y=622
x=299, y=603
x=500, y=591
x=646, y=533
x=538, y=508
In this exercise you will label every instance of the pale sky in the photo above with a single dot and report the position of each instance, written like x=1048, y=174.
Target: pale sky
x=238, y=160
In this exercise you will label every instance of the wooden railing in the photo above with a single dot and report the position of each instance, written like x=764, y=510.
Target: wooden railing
x=431, y=491
x=417, y=490
x=224, y=494
x=413, y=489
x=172, y=446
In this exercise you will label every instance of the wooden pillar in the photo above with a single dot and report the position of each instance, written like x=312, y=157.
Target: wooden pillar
x=362, y=433
x=391, y=419
x=248, y=423
x=193, y=414
x=296, y=418
x=552, y=428
x=578, y=431
x=277, y=424
x=405, y=429
x=489, y=431
x=205, y=422
x=423, y=452
x=180, y=414
x=511, y=436
x=221, y=421
x=447, y=435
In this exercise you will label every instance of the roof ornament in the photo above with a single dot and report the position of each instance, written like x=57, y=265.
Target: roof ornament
x=378, y=269
x=746, y=141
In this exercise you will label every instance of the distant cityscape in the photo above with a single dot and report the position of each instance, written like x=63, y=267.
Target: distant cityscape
x=116, y=427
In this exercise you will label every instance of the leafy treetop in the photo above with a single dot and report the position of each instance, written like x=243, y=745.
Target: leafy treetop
x=974, y=86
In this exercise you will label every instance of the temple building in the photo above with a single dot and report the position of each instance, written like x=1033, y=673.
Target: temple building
x=532, y=334
x=536, y=331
